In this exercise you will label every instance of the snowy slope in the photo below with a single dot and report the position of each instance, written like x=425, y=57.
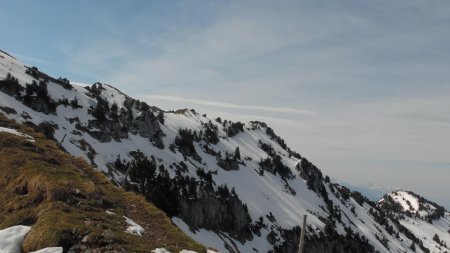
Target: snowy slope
x=278, y=201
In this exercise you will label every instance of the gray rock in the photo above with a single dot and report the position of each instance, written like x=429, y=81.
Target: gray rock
x=210, y=212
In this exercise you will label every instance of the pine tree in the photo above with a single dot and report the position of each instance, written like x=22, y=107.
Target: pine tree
x=161, y=117
x=74, y=103
x=436, y=238
x=237, y=154
x=413, y=247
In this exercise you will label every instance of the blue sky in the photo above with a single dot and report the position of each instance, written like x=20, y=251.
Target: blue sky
x=362, y=88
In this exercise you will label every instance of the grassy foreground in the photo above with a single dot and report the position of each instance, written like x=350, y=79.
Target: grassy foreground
x=65, y=201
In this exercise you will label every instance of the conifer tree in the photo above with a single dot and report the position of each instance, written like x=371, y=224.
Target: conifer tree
x=237, y=154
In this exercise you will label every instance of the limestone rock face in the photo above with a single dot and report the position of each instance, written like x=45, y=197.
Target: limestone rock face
x=210, y=212
x=146, y=124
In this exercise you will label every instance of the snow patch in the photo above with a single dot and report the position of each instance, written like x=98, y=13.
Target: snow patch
x=133, y=227
x=50, y=250
x=406, y=200
x=160, y=250
x=11, y=238
x=15, y=132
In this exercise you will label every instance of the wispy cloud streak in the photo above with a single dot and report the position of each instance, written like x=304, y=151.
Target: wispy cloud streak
x=232, y=106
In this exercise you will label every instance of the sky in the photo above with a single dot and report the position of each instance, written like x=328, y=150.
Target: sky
x=360, y=88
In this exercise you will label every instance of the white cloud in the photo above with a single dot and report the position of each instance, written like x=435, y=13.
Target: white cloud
x=230, y=105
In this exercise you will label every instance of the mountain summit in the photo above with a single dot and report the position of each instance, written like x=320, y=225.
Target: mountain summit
x=234, y=186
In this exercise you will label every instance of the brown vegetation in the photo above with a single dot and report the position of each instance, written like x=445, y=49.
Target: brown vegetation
x=65, y=201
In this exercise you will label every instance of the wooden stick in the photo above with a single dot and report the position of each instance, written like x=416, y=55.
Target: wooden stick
x=302, y=236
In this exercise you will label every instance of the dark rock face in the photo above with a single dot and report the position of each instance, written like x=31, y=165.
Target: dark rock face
x=146, y=125
x=325, y=244
x=336, y=246
x=196, y=201
x=210, y=212
x=106, y=130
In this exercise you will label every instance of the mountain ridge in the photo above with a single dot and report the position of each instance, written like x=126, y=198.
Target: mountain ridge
x=195, y=167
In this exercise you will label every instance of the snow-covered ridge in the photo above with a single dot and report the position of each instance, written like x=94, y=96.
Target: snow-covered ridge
x=412, y=203
x=265, y=181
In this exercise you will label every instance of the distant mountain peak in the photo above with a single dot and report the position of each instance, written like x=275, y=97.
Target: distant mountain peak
x=410, y=203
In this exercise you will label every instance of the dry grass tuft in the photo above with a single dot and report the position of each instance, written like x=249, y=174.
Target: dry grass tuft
x=65, y=200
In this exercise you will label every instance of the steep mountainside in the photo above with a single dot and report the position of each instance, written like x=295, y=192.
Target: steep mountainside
x=234, y=186
x=69, y=204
